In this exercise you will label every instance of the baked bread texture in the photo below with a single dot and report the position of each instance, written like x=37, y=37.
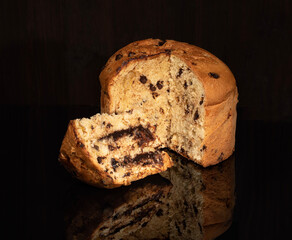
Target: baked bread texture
x=154, y=95
x=179, y=84
x=113, y=150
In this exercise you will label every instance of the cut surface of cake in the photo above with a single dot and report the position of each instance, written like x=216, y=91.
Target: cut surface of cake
x=113, y=150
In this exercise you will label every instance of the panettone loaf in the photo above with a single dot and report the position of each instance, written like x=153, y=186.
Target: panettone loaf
x=178, y=83
x=154, y=95
x=113, y=150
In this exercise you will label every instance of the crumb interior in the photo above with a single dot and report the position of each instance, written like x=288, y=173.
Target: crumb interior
x=169, y=93
x=125, y=146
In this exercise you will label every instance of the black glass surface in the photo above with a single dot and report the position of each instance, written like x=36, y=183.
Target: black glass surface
x=37, y=190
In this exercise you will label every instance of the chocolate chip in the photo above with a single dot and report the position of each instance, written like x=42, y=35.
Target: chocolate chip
x=96, y=147
x=184, y=224
x=220, y=158
x=155, y=95
x=144, y=224
x=213, y=75
x=159, y=213
x=178, y=229
x=81, y=145
x=143, y=79
x=159, y=84
x=168, y=90
x=200, y=226
x=161, y=43
x=118, y=69
x=152, y=87
x=184, y=51
x=195, y=209
x=115, y=164
x=196, y=116
x=161, y=110
x=180, y=71
x=109, y=125
x=127, y=174
x=99, y=159
x=202, y=100
x=204, y=147
x=131, y=54
x=185, y=85
x=168, y=51
x=111, y=147
x=118, y=57
x=103, y=123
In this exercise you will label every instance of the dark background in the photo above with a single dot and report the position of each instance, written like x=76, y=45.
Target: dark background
x=52, y=53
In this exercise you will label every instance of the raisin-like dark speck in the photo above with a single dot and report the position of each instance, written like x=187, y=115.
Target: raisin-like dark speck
x=152, y=87
x=131, y=54
x=202, y=100
x=114, y=163
x=159, y=213
x=161, y=43
x=143, y=79
x=159, y=84
x=111, y=147
x=185, y=85
x=194, y=64
x=118, y=57
x=196, y=116
x=96, y=147
x=180, y=71
x=109, y=125
x=81, y=145
x=203, y=148
x=213, y=75
x=99, y=159
x=220, y=158
x=155, y=95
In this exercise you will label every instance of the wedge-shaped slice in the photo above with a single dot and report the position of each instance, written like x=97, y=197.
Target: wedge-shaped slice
x=113, y=150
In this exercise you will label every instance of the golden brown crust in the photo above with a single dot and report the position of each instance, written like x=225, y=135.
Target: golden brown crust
x=217, y=79
x=76, y=160
x=218, y=82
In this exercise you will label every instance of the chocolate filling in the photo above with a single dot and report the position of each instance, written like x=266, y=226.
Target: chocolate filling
x=143, y=134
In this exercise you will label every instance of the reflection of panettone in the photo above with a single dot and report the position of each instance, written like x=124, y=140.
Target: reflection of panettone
x=199, y=205
x=186, y=98
x=115, y=214
x=201, y=200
